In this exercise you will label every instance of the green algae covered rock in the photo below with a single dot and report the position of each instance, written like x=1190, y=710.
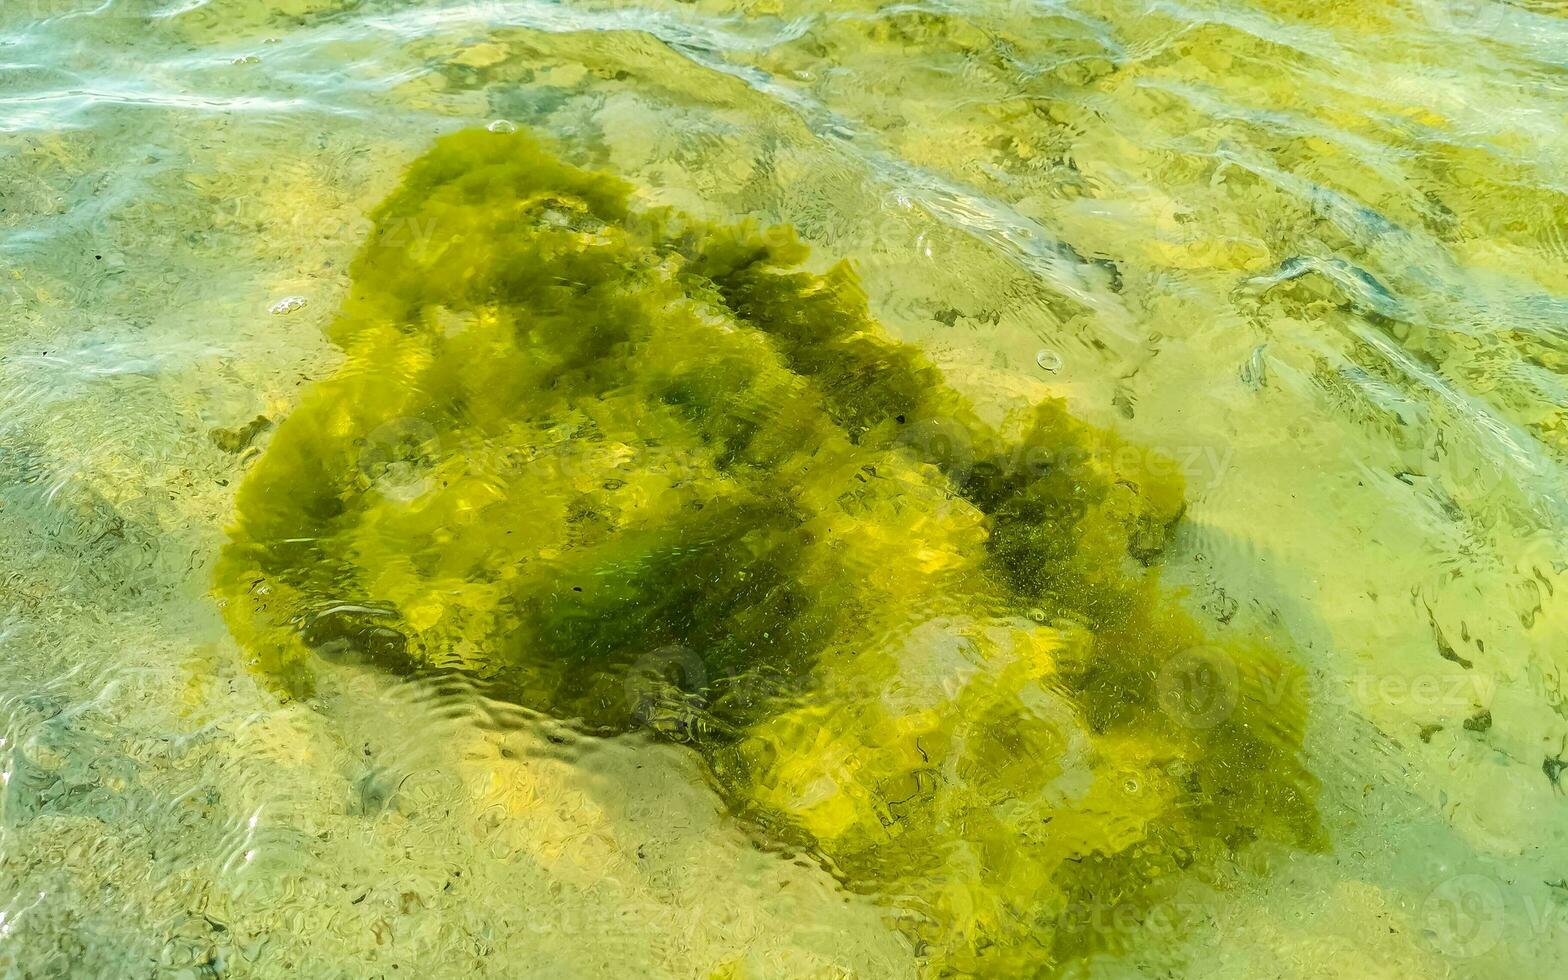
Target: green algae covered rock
x=640, y=471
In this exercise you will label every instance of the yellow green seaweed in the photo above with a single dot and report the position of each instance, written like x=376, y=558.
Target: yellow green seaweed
x=644, y=471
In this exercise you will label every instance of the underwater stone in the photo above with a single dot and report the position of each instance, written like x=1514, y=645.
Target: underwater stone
x=646, y=472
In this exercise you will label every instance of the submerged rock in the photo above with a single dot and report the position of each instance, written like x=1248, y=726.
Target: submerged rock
x=642, y=471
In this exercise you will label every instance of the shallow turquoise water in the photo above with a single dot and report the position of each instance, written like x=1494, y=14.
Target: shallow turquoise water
x=1318, y=254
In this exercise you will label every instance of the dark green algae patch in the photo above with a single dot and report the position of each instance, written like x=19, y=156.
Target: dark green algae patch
x=645, y=472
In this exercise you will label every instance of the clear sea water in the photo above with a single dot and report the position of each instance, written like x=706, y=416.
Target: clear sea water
x=1317, y=253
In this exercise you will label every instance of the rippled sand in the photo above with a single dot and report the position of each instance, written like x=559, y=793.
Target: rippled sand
x=1316, y=253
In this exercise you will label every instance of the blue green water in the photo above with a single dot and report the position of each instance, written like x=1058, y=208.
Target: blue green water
x=1316, y=255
